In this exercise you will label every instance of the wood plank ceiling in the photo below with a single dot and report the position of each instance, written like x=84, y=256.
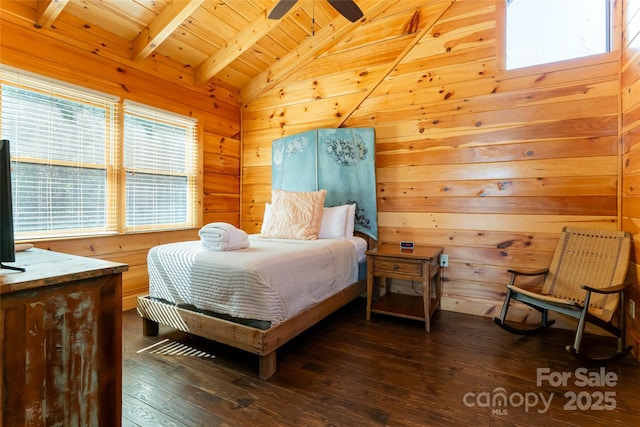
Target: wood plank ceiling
x=227, y=43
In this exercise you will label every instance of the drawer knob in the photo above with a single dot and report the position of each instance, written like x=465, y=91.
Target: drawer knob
x=396, y=266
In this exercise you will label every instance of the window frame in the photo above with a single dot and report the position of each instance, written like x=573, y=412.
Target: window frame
x=501, y=47
x=155, y=114
x=43, y=97
x=116, y=172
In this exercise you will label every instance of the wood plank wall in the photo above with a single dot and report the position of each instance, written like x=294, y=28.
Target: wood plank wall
x=99, y=66
x=488, y=164
x=630, y=135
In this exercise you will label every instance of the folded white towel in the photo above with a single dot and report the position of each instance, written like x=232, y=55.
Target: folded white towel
x=220, y=231
x=222, y=236
x=224, y=246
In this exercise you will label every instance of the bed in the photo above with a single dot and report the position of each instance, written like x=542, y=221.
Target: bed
x=261, y=335
x=285, y=281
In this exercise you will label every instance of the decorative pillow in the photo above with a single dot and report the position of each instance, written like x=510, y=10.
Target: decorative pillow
x=295, y=215
x=351, y=221
x=334, y=222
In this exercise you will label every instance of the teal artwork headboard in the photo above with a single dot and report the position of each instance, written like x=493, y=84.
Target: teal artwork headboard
x=342, y=161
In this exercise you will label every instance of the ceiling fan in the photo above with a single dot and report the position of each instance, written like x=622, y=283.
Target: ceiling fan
x=347, y=8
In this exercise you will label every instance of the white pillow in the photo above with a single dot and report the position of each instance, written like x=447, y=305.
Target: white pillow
x=265, y=218
x=334, y=222
x=351, y=221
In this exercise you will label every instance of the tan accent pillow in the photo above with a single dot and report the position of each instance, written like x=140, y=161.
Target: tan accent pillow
x=295, y=215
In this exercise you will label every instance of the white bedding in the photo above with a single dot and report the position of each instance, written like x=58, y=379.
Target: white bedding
x=272, y=280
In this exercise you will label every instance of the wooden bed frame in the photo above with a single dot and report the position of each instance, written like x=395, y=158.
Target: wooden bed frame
x=264, y=343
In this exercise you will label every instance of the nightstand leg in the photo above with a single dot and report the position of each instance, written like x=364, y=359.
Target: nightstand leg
x=426, y=294
x=370, y=283
x=438, y=284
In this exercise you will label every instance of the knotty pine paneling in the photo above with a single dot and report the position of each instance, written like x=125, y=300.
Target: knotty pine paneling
x=216, y=108
x=630, y=131
x=221, y=179
x=488, y=164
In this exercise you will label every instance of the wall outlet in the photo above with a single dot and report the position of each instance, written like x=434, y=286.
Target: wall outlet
x=632, y=309
x=444, y=260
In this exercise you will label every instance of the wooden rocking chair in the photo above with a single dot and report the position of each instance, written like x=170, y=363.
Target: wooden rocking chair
x=585, y=281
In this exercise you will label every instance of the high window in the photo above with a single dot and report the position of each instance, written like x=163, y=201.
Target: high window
x=71, y=152
x=545, y=31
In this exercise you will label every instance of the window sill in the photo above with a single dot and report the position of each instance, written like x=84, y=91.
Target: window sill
x=603, y=58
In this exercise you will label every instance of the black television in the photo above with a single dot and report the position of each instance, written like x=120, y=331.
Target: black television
x=7, y=242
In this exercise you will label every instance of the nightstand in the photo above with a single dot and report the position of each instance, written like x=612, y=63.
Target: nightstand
x=421, y=264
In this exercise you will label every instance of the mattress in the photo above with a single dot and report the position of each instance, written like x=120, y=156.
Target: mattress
x=272, y=280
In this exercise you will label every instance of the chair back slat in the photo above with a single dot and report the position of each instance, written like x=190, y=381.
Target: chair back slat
x=597, y=258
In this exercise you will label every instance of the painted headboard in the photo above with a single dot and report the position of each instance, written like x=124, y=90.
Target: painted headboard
x=342, y=161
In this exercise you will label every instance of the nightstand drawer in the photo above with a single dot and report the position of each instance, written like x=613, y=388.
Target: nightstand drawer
x=397, y=266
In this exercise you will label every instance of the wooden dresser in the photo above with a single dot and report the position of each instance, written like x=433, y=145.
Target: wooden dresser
x=61, y=341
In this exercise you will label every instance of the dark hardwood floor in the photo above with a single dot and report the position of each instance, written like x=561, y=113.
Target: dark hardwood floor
x=346, y=371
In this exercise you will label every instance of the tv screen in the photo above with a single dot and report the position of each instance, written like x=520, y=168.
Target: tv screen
x=7, y=243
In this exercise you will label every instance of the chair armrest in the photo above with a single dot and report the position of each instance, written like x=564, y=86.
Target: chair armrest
x=608, y=290
x=530, y=273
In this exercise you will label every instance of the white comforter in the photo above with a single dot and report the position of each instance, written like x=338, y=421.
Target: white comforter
x=272, y=280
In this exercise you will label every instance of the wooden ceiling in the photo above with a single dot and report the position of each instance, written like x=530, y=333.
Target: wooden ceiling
x=206, y=42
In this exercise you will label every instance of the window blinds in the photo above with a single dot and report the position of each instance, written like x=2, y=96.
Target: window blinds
x=64, y=153
x=160, y=162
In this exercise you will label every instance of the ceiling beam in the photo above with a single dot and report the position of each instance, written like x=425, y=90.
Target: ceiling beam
x=48, y=11
x=314, y=46
x=167, y=21
x=236, y=46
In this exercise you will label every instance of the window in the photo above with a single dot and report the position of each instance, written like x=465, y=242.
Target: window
x=67, y=155
x=161, y=172
x=63, y=146
x=544, y=31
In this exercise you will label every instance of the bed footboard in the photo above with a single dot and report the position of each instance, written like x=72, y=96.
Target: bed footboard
x=224, y=331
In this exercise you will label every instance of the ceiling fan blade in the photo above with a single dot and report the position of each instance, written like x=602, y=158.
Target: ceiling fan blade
x=281, y=9
x=348, y=8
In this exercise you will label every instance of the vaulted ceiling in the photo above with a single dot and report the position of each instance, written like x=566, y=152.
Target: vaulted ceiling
x=204, y=42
